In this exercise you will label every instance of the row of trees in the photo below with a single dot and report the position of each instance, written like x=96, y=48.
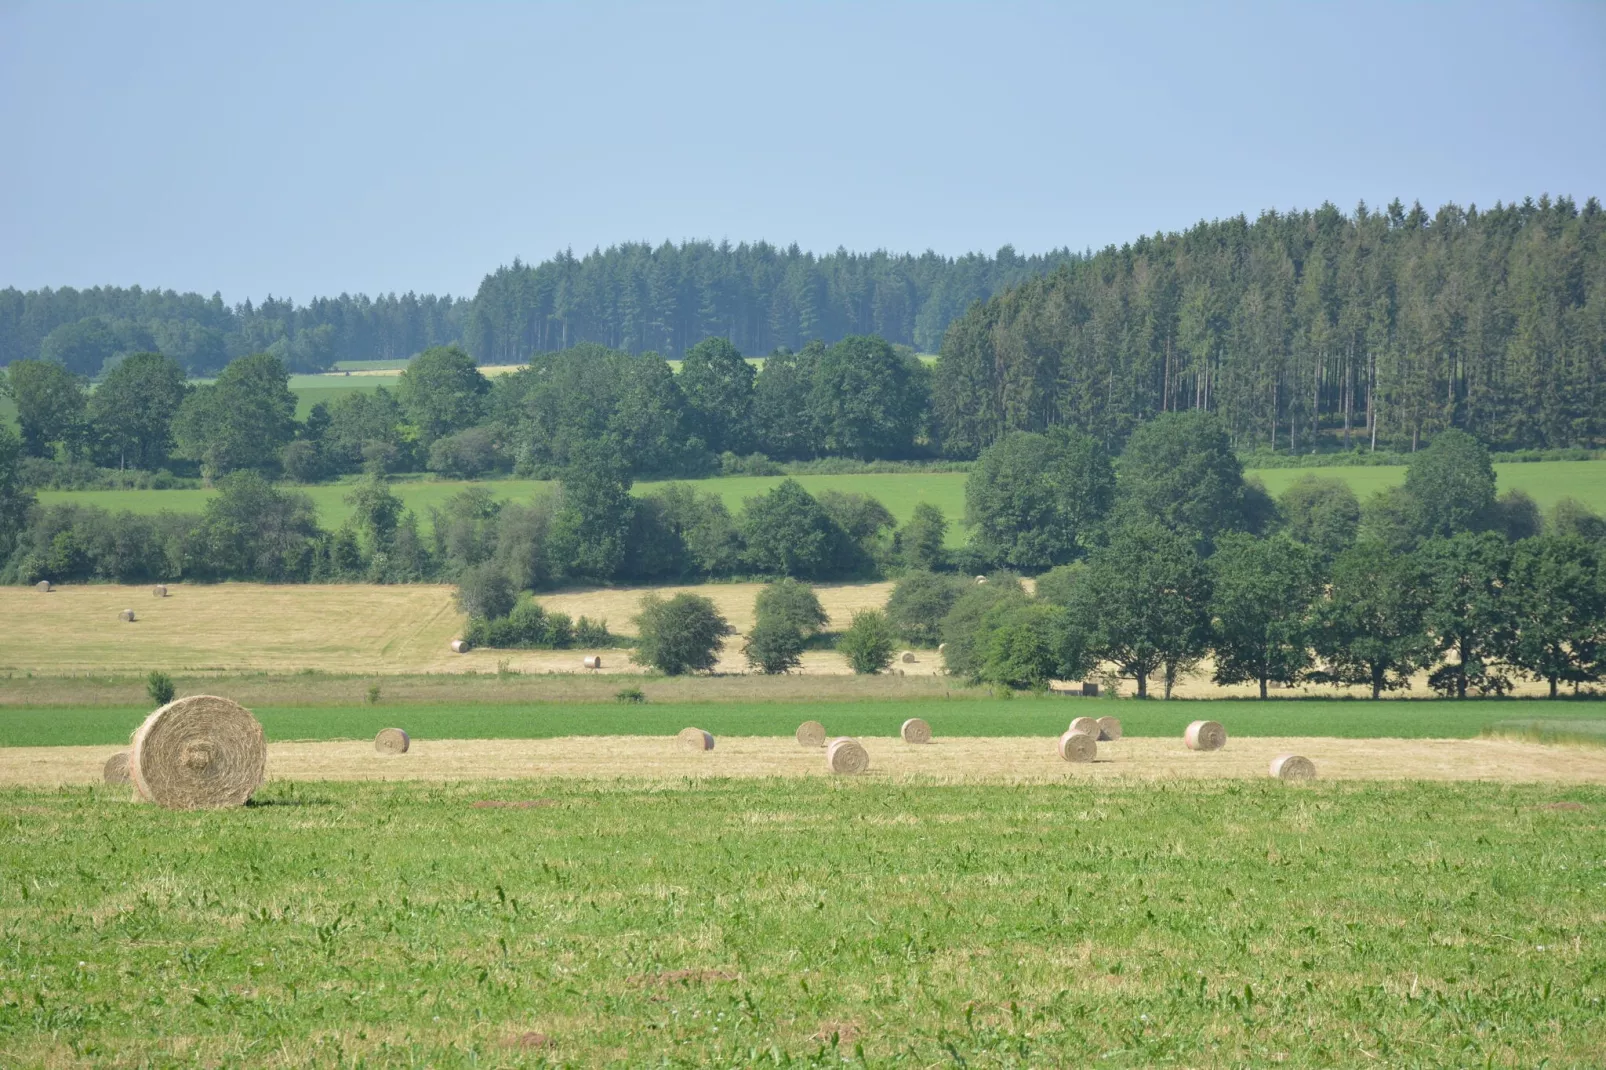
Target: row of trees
x=89, y=331
x=1306, y=328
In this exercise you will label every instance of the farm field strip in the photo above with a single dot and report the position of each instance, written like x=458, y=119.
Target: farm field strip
x=964, y=715
x=1547, y=481
x=1199, y=923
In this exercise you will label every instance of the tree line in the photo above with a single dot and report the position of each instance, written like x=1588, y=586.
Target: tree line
x=1304, y=329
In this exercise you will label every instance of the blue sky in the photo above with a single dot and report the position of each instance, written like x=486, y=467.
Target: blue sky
x=305, y=149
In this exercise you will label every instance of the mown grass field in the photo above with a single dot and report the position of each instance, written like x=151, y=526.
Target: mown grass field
x=1547, y=481
x=808, y=923
x=965, y=713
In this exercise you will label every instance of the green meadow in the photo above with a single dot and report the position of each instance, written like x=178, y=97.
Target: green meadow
x=807, y=923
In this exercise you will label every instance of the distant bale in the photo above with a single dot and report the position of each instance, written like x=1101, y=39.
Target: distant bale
x=1293, y=767
x=115, y=771
x=1109, y=729
x=942, y=648
x=846, y=756
x=160, y=590
x=43, y=587
x=392, y=741
x=1088, y=726
x=593, y=661
x=1078, y=746
x=909, y=657
x=695, y=739
x=811, y=734
x=1205, y=735
x=461, y=646
x=915, y=730
x=981, y=579
x=127, y=615
x=200, y=751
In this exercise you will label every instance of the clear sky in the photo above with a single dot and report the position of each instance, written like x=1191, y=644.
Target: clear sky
x=308, y=149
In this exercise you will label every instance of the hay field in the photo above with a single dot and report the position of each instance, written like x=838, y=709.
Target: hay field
x=1009, y=760
x=809, y=922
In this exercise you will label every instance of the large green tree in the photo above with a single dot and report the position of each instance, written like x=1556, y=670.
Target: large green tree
x=679, y=635
x=50, y=406
x=589, y=535
x=718, y=384
x=1034, y=500
x=1321, y=512
x=1467, y=612
x=1260, y=605
x=788, y=533
x=241, y=421
x=14, y=498
x=1452, y=484
x=867, y=400
x=442, y=391
x=1557, y=611
x=1369, y=629
x=1180, y=471
x=131, y=412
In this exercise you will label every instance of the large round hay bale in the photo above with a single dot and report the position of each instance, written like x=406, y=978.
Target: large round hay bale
x=43, y=586
x=1078, y=746
x=942, y=648
x=695, y=739
x=908, y=657
x=460, y=646
x=846, y=756
x=1205, y=735
x=811, y=734
x=1088, y=726
x=593, y=661
x=392, y=741
x=115, y=771
x=915, y=730
x=1109, y=729
x=1293, y=767
x=200, y=751
x=160, y=590
x=126, y=615
x=981, y=579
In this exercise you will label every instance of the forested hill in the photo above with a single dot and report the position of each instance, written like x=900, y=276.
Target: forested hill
x=1392, y=324
x=633, y=297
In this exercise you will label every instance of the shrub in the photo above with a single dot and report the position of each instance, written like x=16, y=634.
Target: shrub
x=588, y=632
x=159, y=686
x=919, y=602
x=684, y=634
x=774, y=646
x=919, y=543
x=485, y=592
x=963, y=631
x=467, y=454
x=791, y=603
x=868, y=642
x=630, y=696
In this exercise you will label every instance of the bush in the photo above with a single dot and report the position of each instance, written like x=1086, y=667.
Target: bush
x=159, y=686
x=588, y=632
x=684, y=634
x=774, y=646
x=919, y=543
x=918, y=604
x=1027, y=645
x=302, y=461
x=485, y=592
x=530, y=627
x=868, y=642
x=964, y=634
x=791, y=603
x=630, y=696
x=754, y=464
x=468, y=454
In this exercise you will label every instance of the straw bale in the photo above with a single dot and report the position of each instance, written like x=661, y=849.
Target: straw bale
x=44, y=586
x=392, y=741
x=1205, y=735
x=1078, y=746
x=200, y=751
x=695, y=739
x=908, y=657
x=126, y=615
x=460, y=646
x=981, y=579
x=915, y=730
x=115, y=771
x=1086, y=725
x=1109, y=729
x=160, y=590
x=1293, y=767
x=846, y=756
x=811, y=734
x=593, y=661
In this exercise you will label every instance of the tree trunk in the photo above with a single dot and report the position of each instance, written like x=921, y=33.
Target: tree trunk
x=1377, y=683
x=1552, y=687
x=1143, y=684
x=1262, y=687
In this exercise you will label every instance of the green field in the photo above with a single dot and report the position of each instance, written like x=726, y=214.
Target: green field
x=807, y=923
x=964, y=715
x=1547, y=481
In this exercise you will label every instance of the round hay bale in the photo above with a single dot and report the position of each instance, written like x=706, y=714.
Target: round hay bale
x=392, y=741
x=1078, y=747
x=942, y=648
x=43, y=587
x=593, y=661
x=908, y=657
x=695, y=739
x=1109, y=729
x=846, y=756
x=1205, y=735
x=811, y=734
x=915, y=730
x=115, y=771
x=1293, y=767
x=981, y=579
x=160, y=590
x=460, y=646
x=200, y=751
x=1088, y=726
x=126, y=615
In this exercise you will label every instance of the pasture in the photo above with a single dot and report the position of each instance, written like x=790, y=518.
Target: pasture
x=807, y=922
x=1546, y=481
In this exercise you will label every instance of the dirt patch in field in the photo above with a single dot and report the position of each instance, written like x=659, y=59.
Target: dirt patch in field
x=993, y=760
x=682, y=977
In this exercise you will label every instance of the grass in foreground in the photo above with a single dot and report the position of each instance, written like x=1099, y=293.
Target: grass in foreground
x=959, y=716
x=808, y=923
